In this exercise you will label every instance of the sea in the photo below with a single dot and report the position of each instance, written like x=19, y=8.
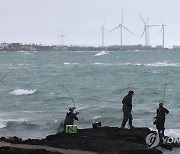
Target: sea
x=38, y=87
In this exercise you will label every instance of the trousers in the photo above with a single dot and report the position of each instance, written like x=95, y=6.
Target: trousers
x=127, y=115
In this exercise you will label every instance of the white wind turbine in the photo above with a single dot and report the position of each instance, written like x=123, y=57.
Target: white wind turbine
x=62, y=36
x=162, y=29
x=146, y=30
x=121, y=26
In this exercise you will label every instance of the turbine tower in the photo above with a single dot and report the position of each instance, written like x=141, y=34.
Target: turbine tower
x=62, y=36
x=146, y=30
x=162, y=29
x=121, y=26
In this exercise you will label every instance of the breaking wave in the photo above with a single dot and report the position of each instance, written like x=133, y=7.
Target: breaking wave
x=71, y=63
x=173, y=133
x=156, y=64
x=19, y=92
x=19, y=125
x=101, y=53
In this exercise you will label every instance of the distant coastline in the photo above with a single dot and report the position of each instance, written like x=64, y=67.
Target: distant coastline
x=40, y=47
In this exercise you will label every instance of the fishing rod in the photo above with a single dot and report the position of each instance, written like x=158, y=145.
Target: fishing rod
x=165, y=85
x=6, y=74
x=68, y=93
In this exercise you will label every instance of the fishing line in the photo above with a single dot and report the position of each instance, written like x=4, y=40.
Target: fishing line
x=6, y=74
x=165, y=85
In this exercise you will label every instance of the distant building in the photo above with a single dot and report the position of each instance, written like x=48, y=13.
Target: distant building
x=176, y=47
x=4, y=45
x=14, y=46
x=60, y=47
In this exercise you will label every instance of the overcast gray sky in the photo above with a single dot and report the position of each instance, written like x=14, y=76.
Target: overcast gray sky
x=42, y=21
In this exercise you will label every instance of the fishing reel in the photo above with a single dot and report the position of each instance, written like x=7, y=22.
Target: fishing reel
x=77, y=112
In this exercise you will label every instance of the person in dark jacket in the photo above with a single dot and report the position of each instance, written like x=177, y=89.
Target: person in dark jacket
x=160, y=119
x=70, y=117
x=127, y=109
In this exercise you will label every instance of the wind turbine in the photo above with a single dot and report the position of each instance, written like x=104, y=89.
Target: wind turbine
x=103, y=29
x=62, y=36
x=121, y=26
x=162, y=29
x=146, y=30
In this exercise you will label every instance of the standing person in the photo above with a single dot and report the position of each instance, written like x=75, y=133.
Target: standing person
x=127, y=109
x=70, y=116
x=160, y=119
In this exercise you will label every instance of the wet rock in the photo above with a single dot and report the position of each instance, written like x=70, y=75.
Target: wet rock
x=104, y=140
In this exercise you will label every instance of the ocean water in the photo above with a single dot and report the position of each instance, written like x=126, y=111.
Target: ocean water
x=34, y=102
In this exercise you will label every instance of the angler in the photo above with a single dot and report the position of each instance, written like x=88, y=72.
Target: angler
x=160, y=119
x=70, y=117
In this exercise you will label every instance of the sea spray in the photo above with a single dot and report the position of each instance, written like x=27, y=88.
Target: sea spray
x=19, y=92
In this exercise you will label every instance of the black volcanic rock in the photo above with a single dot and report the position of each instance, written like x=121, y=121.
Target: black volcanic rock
x=104, y=140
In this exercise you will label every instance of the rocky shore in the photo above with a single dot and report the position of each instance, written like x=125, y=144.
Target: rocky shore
x=104, y=140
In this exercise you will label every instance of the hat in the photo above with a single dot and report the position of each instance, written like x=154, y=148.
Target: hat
x=131, y=92
x=160, y=104
x=71, y=109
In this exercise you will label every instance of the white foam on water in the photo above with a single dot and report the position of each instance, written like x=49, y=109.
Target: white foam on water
x=23, y=64
x=98, y=63
x=3, y=121
x=156, y=72
x=23, y=51
x=127, y=63
x=2, y=124
x=27, y=53
x=138, y=64
x=97, y=117
x=101, y=53
x=158, y=64
x=175, y=133
x=19, y=92
x=107, y=64
x=71, y=63
x=32, y=112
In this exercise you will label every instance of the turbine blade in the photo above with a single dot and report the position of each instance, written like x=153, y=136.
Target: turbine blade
x=153, y=25
x=114, y=28
x=65, y=36
x=143, y=32
x=105, y=29
x=142, y=19
x=128, y=30
x=160, y=31
x=122, y=17
x=60, y=36
x=104, y=22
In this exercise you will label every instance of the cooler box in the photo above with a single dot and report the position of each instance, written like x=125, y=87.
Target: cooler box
x=71, y=129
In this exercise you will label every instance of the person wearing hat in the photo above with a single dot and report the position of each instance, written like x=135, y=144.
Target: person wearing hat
x=70, y=117
x=160, y=119
x=127, y=109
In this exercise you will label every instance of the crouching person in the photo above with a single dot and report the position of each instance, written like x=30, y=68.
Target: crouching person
x=70, y=117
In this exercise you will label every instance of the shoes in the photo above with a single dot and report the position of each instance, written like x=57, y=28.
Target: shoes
x=131, y=127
